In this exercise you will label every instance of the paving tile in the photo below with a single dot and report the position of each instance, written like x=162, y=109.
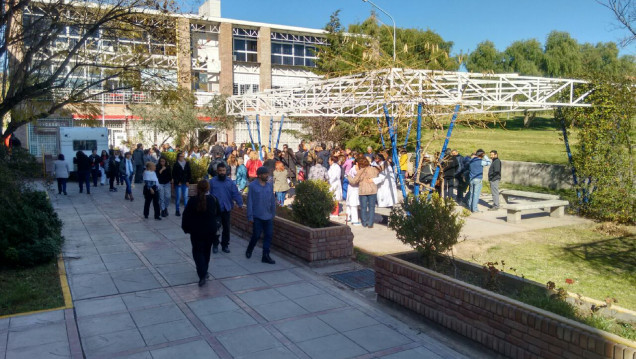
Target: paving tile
x=233, y=319
x=163, y=256
x=105, y=344
x=320, y=302
x=193, y=350
x=142, y=355
x=26, y=336
x=226, y=271
x=71, y=262
x=141, y=300
x=190, y=292
x=279, y=277
x=304, y=329
x=91, y=326
x=167, y=332
x=4, y=323
x=243, y=283
x=97, y=267
x=299, y=290
x=278, y=353
x=377, y=337
x=212, y=306
x=348, y=320
x=56, y=350
x=264, y=296
x=279, y=310
x=113, y=248
x=247, y=341
x=335, y=346
x=121, y=261
x=37, y=319
x=99, y=306
x=178, y=273
x=164, y=314
x=415, y=353
x=134, y=280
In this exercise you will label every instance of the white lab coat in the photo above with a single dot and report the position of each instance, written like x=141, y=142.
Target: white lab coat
x=353, y=192
x=335, y=186
x=387, y=187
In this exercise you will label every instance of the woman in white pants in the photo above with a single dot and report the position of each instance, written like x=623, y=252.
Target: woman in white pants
x=353, y=200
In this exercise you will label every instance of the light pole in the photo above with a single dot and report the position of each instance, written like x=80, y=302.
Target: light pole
x=392, y=19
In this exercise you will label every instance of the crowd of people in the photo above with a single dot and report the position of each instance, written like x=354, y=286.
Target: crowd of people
x=359, y=182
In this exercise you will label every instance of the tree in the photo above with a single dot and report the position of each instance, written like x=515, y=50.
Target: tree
x=524, y=57
x=625, y=13
x=59, y=53
x=562, y=55
x=486, y=58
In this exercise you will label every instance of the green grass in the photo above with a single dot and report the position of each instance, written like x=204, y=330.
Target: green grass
x=29, y=289
x=601, y=265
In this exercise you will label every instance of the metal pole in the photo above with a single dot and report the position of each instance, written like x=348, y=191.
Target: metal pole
x=280, y=129
x=247, y=121
x=441, y=155
x=271, y=130
x=391, y=17
x=418, y=147
x=396, y=162
x=381, y=135
x=258, y=128
x=408, y=132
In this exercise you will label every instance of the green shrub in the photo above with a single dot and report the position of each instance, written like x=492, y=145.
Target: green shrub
x=171, y=158
x=430, y=226
x=312, y=204
x=199, y=168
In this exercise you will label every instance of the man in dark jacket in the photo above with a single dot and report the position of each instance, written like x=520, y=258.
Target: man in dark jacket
x=450, y=166
x=218, y=159
x=494, y=176
x=325, y=154
x=138, y=161
x=181, y=178
x=83, y=171
x=94, y=159
x=226, y=192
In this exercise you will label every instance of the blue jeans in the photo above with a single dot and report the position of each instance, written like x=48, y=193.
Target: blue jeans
x=475, y=191
x=280, y=198
x=262, y=226
x=181, y=191
x=83, y=177
x=367, y=209
x=128, y=180
x=345, y=187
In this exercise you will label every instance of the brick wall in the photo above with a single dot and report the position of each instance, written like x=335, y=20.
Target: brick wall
x=314, y=245
x=501, y=324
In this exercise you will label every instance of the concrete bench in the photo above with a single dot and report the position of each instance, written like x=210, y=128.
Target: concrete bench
x=507, y=193
x=555, y=207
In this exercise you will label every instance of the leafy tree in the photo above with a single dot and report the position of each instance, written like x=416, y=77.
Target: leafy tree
x=486, y=58
x=524, y=57
x=46, y=72
x=562, y=55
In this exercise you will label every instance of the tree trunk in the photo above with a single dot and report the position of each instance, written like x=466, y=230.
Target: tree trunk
x=527, y=118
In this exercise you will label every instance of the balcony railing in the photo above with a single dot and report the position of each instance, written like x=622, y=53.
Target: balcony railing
x=127, y=97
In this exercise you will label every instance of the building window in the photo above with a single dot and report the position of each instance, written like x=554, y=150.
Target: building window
x=293, y=54
x=241, y=89
x=245, y=45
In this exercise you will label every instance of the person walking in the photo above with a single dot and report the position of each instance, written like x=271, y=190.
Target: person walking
x=95, y=162
x=103, y=167
x=181, y=178
x=226, y=194
x=280, y=183
x=367, y=190
x=61, y=172
x=494, y=176
x=151, y=190
x=138, y=162
x=199, y=221
x=112, y=170
x=164, y=175
x=335, y=186
x=83, y=171
x=261, y=209
x=127, y=170
x=476, y=165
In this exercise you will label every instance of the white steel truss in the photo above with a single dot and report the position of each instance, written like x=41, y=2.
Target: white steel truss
x=365, y=94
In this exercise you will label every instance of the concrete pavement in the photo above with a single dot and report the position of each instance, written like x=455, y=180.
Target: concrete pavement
x=135, y=295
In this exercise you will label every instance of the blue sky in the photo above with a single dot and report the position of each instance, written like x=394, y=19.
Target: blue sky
x=465, y=22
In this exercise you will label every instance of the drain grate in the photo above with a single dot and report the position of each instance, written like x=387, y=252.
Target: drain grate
x=358, y=279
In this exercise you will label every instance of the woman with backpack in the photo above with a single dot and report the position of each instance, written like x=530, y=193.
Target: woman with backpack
x=199, y=221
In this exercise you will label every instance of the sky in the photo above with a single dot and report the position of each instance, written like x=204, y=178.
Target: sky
x=465, y=22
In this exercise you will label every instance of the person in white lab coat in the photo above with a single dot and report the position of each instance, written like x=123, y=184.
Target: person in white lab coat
x=387, y=185
x=335, y=186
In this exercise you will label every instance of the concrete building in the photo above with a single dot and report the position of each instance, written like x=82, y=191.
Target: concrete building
x=211, y=55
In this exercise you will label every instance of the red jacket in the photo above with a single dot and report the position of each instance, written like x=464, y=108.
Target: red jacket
x=252, y=166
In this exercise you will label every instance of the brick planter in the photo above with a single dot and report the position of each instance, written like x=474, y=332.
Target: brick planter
x=314, y=245
x=502, y=324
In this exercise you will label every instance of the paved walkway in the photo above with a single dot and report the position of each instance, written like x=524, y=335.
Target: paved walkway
x=135, y=296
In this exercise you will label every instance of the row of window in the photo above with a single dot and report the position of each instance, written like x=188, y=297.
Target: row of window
x=283, y=52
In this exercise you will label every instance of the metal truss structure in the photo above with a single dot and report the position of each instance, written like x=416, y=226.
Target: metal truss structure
x=365, y=94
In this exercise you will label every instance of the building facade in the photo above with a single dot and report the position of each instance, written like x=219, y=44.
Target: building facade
x=211, y=55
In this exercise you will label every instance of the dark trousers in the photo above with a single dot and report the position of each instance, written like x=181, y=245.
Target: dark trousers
x=111, y=180
x=139, y=173
x=259, y=227
x=83, y=177
x=154, y=198
x=462, y=186
x=225, y=233
x=201, y=246
x=367, y=209
x=61, y=185
x=449, y=187
x=95, y=173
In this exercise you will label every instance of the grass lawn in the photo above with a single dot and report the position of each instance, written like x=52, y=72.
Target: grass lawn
x=29, y=289
x=601, y=264
x=542, y=142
